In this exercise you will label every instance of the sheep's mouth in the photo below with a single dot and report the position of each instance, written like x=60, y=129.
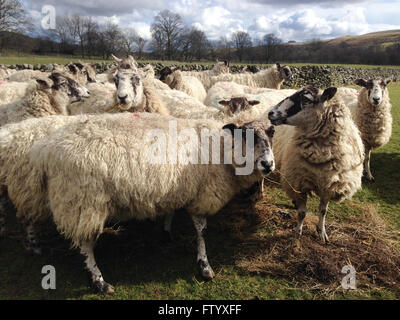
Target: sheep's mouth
x=78, y=99
x=278, y=121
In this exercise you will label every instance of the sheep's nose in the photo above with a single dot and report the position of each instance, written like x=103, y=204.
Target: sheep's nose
x=270, y=114
x=122, y=99
x=376, y=100
x=268, y=166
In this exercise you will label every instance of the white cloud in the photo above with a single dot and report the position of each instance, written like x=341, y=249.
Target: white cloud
x=288, y=19
x=142, y=28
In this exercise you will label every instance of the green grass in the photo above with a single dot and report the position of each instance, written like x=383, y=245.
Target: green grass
x=142, y=265
x=61, y=59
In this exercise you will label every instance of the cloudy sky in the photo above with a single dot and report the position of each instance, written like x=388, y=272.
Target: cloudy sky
x=298, y=20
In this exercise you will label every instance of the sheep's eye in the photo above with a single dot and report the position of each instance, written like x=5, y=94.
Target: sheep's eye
x=271, y=132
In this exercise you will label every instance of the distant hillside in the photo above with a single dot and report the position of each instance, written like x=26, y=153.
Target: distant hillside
x=374, y=38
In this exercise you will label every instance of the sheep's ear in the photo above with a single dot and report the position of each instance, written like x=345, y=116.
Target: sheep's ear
x=270, y=131
x=43, y=84
x=116, y=58
x=79, y=65
x=328, y=94
x=225, y=103
x=387, y=81
x=278, y=65
x=231, y=127
x=361, y=83
x=132, y=60
x=73, y=68
x=226, y=63
x=253, y=102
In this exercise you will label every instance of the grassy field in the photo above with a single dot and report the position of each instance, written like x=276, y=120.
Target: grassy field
x=34, y=59
x=252, y=249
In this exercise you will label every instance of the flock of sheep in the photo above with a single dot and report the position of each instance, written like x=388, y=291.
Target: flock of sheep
x=72, y=145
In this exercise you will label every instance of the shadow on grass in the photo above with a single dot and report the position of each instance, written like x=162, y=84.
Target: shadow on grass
x=385, y=168
x=140, y=254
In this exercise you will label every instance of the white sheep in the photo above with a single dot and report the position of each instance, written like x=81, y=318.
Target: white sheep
x=188, y=84
x=221, y=67
x=272, y=77
x=81, y=72
x=11, y=92
x=19, y=179
x=226, y=90
x=26, y=75
x=52, y=96
x=5, y=72
x=133, y=93
x=114, y=177
x=373, y=117
x=318, y=150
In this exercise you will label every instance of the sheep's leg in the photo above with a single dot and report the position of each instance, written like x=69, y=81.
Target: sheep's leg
x=367, y=162
x=301, y=203
x=167, y=223
x=200, y=223
x=2, y=217
x=323, y=209
x=31, y=242
x=96, y=277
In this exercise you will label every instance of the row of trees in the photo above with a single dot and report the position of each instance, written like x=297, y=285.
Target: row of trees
x=172, y=39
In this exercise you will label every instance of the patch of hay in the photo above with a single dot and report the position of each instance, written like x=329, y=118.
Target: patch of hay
x=267, y=245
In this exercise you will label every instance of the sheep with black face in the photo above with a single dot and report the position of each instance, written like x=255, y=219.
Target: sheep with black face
x=372, y=114
x=318, y=149
x=126, y=184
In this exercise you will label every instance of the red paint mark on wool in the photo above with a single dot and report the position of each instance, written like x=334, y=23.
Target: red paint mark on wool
x=136, y=115
x=2, y=82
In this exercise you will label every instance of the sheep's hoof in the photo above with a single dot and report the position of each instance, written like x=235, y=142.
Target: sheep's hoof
x=167, y=236
x=299, y=232
x=34, y=250
x=103, y=287
x=323, y=236
x=205, y=270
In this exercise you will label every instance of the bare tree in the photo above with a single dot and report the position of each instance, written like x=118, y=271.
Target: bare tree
x=140, y=43
x=270, y=43
x=77, y=25
x=12, y=15
x=242, y=42
x=91, y=35
x=167, y=26
x=113, y=38
x=62, y=33
x=128, y=40
x=226, y=45
x=194, y=44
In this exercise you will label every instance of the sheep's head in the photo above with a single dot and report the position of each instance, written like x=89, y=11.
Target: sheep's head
x=127, y=63
x=285, y=72
x=129, y=87
x=375, y=89
x=83, y=70
x=236, y=105
x=58, y=83
x=302, y=107
x=252, y=69
x=221, y=67
x=166, y=71
x=255, y=137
